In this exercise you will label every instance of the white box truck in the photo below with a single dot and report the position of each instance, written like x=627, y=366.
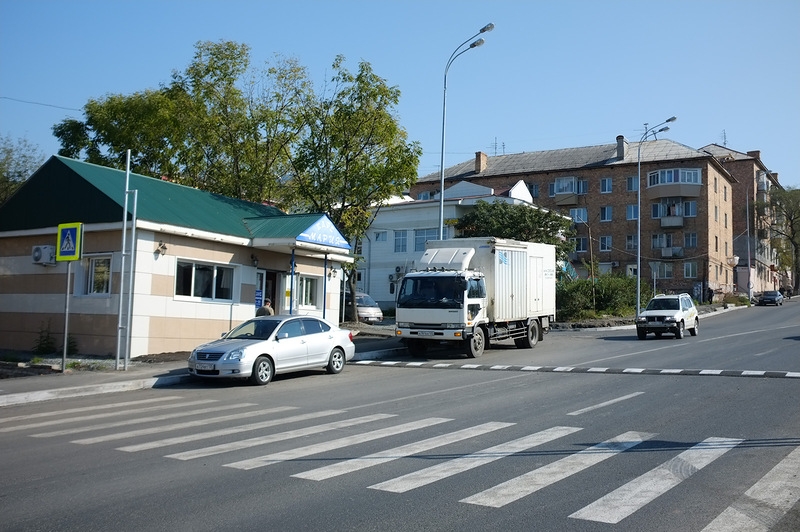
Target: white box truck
x=470, y=291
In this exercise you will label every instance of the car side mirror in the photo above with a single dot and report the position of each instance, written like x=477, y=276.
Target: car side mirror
x=281, y=336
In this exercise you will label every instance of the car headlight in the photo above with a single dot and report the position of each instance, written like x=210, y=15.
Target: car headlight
x=236, y=354
x=641, y=319
x=455, y=325
x=193, y=356
x=670, y=319
x=403, y=325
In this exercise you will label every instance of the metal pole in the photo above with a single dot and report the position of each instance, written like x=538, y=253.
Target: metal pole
x=120, y=326
x=130, y=278
x=66, y=320
x=453, y=56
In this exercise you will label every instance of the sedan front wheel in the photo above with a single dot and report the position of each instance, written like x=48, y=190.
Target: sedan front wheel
x=262, y=371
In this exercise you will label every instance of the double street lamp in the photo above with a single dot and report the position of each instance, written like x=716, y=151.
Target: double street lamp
x=647, y=132
x=460, y=49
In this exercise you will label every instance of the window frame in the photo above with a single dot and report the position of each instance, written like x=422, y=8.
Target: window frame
x=91, y=272
x=217, y=279
x=401, y=241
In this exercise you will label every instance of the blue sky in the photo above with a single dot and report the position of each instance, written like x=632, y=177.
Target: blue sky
x=552, y=74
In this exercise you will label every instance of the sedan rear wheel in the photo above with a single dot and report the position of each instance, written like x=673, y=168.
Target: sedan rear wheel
x=262, y=371
x=336, y=361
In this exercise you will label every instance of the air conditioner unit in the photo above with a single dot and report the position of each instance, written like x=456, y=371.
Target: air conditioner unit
x=43, y=254
x=391, y=277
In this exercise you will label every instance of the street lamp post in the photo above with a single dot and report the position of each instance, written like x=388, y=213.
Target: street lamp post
x=647, y=132
x=457, y=52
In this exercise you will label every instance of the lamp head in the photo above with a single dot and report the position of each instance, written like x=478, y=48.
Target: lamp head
x=477, y=43
x=488, y=27
x=672, y=119
x=663, y=129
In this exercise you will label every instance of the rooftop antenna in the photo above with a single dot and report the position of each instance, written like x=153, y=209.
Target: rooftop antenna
x=724, y=139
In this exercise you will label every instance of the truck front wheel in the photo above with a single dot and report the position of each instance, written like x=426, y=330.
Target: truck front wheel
x=531, y=336
x=476, y=343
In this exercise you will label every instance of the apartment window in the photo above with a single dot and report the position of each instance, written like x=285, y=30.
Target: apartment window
x=716, y=213
x=565, y=185
x=401, y=241
x=690, y=240
x=578, y=214
x=583, y=186
x=674, y=175
x=207, y=281
x=551, y=189
x=426, y=195
x=423, y=235
x=533, y=188
x=725, y=217
x=380, y=236
x=689, y=270
x=716, y=243
x=690, y=208
x=662, y=240
x=580, y=243
x=664, y=270
x=631, y=242
x=668, y=207
x=605, y=185
x=726, y=249
x=358, y=250
x=98, y=276
x=309, y=291
x=631, y=212
x=605, y=213
x=632, y=183
x=715, y=185
x=605, y=243
x=725, y=192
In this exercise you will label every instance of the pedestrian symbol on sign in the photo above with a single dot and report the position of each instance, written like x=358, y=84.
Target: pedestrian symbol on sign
x=70, y=238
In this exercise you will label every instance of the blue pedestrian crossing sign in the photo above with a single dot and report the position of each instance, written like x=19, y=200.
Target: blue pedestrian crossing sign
x=70, y=242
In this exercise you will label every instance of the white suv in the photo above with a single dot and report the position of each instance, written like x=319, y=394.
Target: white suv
x=668, y=314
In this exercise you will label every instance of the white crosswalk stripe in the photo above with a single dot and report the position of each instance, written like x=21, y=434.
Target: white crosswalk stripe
x=309, y=450
x=138, y=420
x=184, y=425
x=92, y=408
x=357, y=464
x=629, y=498
x=63, y=421
x=272, y=438
x=465, y=463
x=764, y=504
x=526, y=484
x=227, y=431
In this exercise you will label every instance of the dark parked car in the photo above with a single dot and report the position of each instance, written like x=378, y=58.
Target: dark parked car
x=771, y=297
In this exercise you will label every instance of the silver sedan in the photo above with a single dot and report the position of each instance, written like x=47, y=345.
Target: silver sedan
x=261, y=347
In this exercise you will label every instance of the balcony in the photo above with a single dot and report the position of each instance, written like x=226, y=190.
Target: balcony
x=564, y=200
x=672, y=221
x=673, y=252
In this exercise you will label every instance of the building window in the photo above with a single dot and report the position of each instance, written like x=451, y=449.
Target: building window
x=716, y=213
x=380, y=236
x=580, y=243
x=690, y=208
x=716, y=243
x=605, y=213
x=551, y=189
x=633, y=183
x=662, y=240
x=605, y=243
x=689, y=270
x=578, y=214
x=631, y=242
x=664, y=270
x=565, y=185
x=605, y=185
x=426, y=195
x=423, y=235
x=631, y=212
x=725, y=192
x=309, y=291
x=690, y=240
x=725, y=217
x=98, y=276
x=401, y=241
x=674, y=175
x=583, y=186
x=715, y=185
x=533, y=188
x=206, y=281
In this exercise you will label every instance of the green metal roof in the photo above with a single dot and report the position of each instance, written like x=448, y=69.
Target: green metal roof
x=65, y=190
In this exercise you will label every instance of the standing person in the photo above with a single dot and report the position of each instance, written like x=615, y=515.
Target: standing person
x=266, y=310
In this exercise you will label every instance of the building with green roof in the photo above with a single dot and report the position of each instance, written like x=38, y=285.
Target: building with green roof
x=196, y=263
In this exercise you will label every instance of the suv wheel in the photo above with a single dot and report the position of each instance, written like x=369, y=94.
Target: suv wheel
x=679, y=331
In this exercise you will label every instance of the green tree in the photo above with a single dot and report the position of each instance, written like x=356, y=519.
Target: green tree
x=353, y=155
x=519, y=222
x=782, y=212
x=19, y=159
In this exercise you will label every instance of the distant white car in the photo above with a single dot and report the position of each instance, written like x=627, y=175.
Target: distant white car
x=668, y=314
x=262, y=347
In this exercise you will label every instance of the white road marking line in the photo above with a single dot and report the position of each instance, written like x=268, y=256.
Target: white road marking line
x=710, y=372
x=564, y=368
x=531, y=368
x=627, y=499
x=138, y=420
x=526, y=484
x=749, y=372
x=179, y=426
x=271, y=438
x=104, y=415
x=357, y=464
x=597, y=370
x=92, y=408
x=227, y=431
x=603, y=404
x=671, y=371
x=766, y=502
x=301, y=452
x=633, y=370
x=465, y=463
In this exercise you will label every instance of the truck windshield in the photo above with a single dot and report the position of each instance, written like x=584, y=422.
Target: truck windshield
x=431, y=292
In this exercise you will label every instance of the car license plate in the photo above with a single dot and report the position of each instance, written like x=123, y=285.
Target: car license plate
x=202, y=366
x=425, y=333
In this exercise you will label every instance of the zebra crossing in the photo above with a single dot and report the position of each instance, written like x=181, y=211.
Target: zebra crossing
x=765, y=502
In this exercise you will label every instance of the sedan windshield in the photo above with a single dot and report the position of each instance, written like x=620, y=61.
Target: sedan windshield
x=253, y=330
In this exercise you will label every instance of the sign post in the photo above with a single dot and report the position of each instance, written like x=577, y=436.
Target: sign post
x=69, y=248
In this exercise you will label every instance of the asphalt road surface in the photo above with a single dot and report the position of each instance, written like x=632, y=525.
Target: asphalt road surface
x=589, y=431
